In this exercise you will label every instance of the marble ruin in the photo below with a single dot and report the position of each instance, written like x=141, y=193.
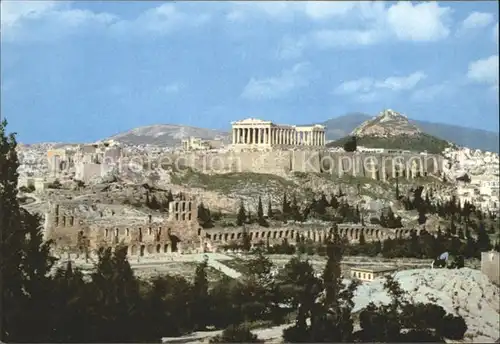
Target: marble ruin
x=254, y=133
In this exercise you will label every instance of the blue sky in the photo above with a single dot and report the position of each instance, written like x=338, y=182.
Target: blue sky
x=82, y=71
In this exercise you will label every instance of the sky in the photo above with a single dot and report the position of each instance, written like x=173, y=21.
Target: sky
x=82, y=71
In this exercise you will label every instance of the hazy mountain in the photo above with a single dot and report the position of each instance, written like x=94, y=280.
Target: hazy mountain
x=341, y=126
x=338, y=127
x=165, y=134
x=387, y=123
x=392, y=130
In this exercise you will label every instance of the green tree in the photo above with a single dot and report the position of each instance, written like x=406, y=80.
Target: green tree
x=351, y=144
x=269, y=209
x=260, y=214
x=25, y=259
x=241, y=217
x=200, y=296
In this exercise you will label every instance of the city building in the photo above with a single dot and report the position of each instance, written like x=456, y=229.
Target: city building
x=369, y=274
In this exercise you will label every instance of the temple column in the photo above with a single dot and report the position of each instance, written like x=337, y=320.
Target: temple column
x=234, y=136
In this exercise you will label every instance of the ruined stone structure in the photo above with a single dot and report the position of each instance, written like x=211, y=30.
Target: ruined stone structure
x=490, y=265
x=216, y=237
x=252, y=133
x=85, y=231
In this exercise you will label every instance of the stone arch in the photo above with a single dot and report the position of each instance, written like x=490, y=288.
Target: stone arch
x=357, y=233
x=232, y=236
x=371, y=232
x=226, y=236
x=143, y=248
x=158, y=248
x=133, y=250
x=280, y=235
x=165, y=248
x=150, y=249
x=274, y=234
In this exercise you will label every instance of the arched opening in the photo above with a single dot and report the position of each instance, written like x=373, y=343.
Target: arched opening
x=143, y=248
x=158, y=248
x=165, y=248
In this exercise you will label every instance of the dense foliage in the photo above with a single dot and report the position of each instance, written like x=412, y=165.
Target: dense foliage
x=419, y=143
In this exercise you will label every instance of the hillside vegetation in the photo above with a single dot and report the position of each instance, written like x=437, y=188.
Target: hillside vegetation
x=420, y=143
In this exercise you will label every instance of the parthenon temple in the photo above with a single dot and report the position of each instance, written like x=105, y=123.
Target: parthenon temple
x=256, y=133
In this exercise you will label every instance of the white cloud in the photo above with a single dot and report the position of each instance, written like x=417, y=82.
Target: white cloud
x=46, y=20
x=477, y=20
x=344, y=38
x=355, y=86
x=484, y=71
x=320, y=10
x=172, y=88
x=393, y=83
x=430, y=93
x=363, y=24
x=291, y=48
x=160, y=20
x=280, y=86
x=369, y=89
x=421, y=22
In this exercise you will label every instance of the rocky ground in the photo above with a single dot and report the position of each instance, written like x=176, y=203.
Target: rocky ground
x=466, y=292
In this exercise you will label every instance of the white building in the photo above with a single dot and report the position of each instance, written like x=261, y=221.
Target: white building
x=369, y=274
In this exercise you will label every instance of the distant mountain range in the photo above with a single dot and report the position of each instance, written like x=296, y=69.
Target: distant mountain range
x=336, y=128
x=339, y=127
x=392, y=130
x=165, y=134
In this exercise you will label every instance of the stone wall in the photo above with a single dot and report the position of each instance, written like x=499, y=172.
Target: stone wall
x=72, y=233
x=490, y=265
x=221, y=236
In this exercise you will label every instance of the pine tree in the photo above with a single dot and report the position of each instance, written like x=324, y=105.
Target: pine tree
x=200, y=296
x=154, y=203
x=334, y=203
x=397, y=186
x=170, y=197
x=260, y=214
x=241, y=217
x=483, y=239
x=25, y=259
x=294, y=209
x=285, y=207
